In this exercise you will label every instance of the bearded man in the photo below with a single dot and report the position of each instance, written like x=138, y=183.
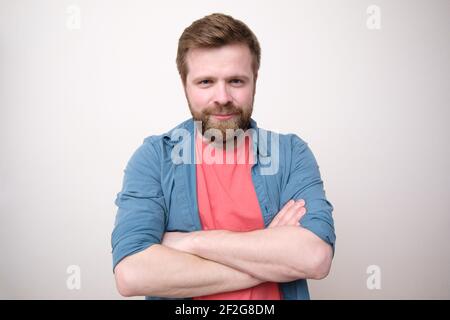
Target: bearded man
x=217, y=208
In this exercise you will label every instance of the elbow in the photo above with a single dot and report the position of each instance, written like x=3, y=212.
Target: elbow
x=316, y=264
x=317, y=267
x=321, y=262
x=125, y=282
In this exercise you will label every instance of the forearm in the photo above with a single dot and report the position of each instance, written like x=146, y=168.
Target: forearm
x=279, y=254
x=164, y=272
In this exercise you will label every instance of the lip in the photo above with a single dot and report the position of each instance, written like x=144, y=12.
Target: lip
x=223, y=116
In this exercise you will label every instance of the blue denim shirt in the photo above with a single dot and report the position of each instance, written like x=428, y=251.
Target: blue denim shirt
x=159, y=194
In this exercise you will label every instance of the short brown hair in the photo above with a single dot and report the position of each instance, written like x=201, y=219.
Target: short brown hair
x=212, y=31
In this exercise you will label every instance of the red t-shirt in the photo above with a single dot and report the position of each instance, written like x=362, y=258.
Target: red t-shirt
x=227, y=200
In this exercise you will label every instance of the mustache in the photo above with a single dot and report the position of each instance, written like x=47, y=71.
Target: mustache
x=222, y=110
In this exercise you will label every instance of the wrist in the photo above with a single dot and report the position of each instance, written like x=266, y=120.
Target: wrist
x=200, y=241
x=191, y=242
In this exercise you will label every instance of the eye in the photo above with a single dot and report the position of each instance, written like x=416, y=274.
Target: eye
x=236, y=81
x=204, y=82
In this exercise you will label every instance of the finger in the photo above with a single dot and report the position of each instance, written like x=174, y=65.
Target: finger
x=300, y=202
x=295, y=219
x=290, y=217
x=300, y=215
x=286, y=207
x=281, y=213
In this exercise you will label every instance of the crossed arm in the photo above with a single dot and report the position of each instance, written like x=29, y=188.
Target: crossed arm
x=207, y=262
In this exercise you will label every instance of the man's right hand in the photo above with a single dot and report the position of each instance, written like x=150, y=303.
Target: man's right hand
x=290, y=214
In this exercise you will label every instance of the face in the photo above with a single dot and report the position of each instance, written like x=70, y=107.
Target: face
x=220, y=86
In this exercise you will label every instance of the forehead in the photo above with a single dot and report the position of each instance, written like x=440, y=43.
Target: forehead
x=223, y=61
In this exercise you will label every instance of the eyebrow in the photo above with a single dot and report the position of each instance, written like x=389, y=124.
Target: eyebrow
x=196, y=79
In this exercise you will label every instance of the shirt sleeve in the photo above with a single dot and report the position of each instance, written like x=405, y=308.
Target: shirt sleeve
x=305, y=182
x=141, y=214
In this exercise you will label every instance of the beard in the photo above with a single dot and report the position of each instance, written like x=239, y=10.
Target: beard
x=240, y=120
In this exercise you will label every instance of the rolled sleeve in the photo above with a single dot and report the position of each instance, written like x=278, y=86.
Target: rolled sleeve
x=305, y=183
x=141, y=214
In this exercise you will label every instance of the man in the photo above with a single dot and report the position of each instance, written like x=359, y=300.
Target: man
x=201, y=214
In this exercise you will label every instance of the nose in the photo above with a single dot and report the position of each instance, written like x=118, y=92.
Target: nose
x=222, y=95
